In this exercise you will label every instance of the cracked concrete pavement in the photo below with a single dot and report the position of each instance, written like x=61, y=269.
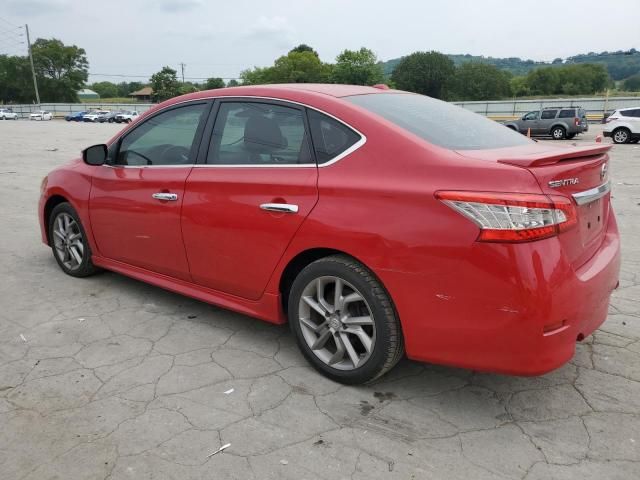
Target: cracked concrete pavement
x=110, y=378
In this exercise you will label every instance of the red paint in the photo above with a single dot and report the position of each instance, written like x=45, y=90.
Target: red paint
x=509, y=307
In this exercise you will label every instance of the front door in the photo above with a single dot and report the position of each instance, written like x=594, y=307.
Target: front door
x=244, y=204
x=135, y=200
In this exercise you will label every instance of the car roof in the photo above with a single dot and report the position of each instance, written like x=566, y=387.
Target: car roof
x=627, y=108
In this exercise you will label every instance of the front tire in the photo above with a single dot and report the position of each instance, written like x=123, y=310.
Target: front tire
x=344, y=321
x=621, y=135
x=69, y=242
x=558, y=133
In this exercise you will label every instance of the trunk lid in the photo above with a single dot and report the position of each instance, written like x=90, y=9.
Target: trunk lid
x=569, y=171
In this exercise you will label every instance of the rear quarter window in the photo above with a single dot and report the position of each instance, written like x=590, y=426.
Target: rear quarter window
x=330, y=137
x=438, y=122
x=567, y=114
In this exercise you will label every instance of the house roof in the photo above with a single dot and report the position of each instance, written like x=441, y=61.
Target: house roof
x=86, y=91
x=146, y=91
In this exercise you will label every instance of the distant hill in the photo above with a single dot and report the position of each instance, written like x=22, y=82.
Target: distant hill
x=620, y=64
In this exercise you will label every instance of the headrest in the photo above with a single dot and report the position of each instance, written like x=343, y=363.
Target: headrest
x=262, y=134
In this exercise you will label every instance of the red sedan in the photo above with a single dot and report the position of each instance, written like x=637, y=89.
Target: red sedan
x=376, y=222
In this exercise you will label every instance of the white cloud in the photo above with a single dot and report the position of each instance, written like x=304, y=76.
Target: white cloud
x=275, y=30
x=177, y=6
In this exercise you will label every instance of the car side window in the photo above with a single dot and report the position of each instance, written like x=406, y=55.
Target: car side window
x=567, y=114
x=164, y=139
x=330, y=137
x=531, y=116
x=254, y=133
x=547, y=114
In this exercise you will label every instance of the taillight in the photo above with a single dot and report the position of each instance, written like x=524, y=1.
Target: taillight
x=577, y=121
x=513, y=217
x=610, y=119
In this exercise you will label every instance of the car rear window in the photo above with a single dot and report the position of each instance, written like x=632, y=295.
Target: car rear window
x=438, y=122
x=567, y=113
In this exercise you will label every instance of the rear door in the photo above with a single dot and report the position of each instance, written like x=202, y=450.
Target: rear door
x=256, y=183
x=547, y=119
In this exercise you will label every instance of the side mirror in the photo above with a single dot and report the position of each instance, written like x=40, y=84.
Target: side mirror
x=95, y=155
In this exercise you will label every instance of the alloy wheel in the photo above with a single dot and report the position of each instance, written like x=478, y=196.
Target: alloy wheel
x=621, y=136
x=68, y=241
x=337, y=323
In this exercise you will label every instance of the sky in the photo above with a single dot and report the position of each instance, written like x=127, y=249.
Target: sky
x=130, y=40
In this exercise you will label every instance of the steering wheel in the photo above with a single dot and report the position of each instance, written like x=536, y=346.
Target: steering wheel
x=174, y=154
x=144, y=157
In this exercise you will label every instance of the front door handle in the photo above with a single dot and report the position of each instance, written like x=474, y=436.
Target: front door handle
x=279, y=207
x=172, y=197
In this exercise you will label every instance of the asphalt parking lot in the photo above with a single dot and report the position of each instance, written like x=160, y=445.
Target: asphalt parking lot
x=110, y=378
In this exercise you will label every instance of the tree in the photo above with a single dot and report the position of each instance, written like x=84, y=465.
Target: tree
x=233, y=83
x=213, y=83
x=16, y=84
x=573, y=79
x=429, y=73
x=295, y=67
x=61, y=69
x=481, y=81
x=631, y=84
x=303, y=47
x=165, y=84
x=125, y=88
x=359, y=67
x=105, y=89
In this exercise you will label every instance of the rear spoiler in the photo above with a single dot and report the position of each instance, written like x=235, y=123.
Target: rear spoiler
x=555, y=156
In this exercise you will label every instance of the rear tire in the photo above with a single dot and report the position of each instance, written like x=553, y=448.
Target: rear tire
x=621, y=135
x=353, y=336
x=69, y=242
x=558, y=133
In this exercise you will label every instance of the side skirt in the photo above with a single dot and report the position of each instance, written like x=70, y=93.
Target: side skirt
x=268, y=308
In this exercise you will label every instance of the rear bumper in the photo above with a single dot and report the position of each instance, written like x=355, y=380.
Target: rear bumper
x=514, y=309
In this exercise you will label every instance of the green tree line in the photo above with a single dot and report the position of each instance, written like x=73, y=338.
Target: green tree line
x=63, y=70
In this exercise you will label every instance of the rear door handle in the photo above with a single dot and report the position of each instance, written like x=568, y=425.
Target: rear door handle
x=172, y=197
x=279, y=207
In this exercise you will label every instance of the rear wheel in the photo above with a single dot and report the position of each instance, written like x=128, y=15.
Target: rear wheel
x=344, y=321
x=621, y=135
x=558, y=133
x=69, y=242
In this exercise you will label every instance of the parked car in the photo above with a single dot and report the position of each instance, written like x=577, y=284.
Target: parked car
x=126, y=117
x=558, y=122
x=94, y=115
x=41, y=115
x=623, y=125
x=8, y=114
x=358, y=215
x=109, y=117
x=75, y=117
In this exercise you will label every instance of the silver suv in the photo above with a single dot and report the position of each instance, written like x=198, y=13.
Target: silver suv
x=558, y=122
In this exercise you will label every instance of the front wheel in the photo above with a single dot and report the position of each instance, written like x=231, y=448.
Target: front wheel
x=69, y=242
x=344, y=321
x=558, y=133
x=621, y=135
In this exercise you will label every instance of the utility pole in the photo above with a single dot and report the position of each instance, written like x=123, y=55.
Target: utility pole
x=33, y=70
x=182, y=65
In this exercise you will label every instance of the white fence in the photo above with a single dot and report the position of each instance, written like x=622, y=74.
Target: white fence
x=499, y=110
x=510, y=109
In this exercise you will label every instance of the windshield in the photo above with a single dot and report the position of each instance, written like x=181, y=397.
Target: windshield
x=438, y=122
